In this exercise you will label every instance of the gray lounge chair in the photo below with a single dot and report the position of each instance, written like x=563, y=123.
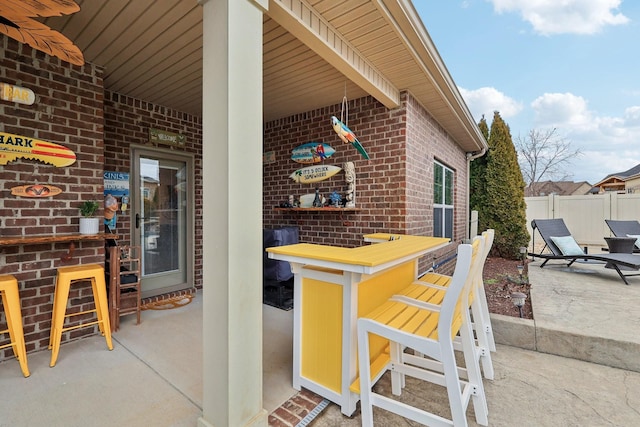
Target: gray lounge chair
x=556, y=228
x=623, y=228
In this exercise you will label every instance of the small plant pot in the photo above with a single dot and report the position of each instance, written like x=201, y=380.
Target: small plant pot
x=89, y=225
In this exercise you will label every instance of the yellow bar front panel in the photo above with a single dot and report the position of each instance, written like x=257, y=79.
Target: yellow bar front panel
x=322, y=320
x=379, y=288
x=321, y=359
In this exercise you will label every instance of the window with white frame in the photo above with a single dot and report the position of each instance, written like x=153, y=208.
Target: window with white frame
x=442, y=201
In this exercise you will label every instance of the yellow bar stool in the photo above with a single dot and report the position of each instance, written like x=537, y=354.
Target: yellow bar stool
x=65, y=278
x=11, y=304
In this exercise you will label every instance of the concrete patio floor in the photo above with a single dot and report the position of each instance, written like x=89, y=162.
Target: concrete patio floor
x=153, y=375
x=545, y=375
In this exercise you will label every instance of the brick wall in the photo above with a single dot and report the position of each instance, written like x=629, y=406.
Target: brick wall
x=67, y=111
x=379, y=181
x=394, y=189
x=127, y=121
x=427, y=142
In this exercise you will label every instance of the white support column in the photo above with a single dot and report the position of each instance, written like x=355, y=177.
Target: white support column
x=232, y=213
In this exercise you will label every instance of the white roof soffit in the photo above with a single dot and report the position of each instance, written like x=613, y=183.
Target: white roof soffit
x=408, y=26
x=314, y=31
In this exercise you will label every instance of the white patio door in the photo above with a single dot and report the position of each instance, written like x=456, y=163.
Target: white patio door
x=162, y=219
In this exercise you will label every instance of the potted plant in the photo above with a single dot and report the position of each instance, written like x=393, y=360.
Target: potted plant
x=88, y=223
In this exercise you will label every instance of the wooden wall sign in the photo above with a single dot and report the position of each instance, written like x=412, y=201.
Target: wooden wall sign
x=312, y=174
x=13, y=147
x=168, y=138
x=20, y=95
x=35, y=190
x=312, y=152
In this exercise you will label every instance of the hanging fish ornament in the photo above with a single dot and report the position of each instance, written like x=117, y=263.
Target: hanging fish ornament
x=346, y=135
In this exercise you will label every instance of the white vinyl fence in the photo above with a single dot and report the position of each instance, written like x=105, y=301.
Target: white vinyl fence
x=584, y=215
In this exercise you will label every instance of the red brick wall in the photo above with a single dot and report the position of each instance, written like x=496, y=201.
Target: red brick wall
x=379, y=182
x=127, y=121
x=67, y=111
x=394, y=189
x=427, y=142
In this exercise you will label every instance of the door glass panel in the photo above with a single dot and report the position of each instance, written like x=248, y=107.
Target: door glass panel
x=162, y=222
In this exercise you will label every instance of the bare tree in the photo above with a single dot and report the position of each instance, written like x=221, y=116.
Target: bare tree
x=544, y=154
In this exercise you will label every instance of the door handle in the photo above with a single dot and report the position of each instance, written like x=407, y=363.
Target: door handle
x=138, y=218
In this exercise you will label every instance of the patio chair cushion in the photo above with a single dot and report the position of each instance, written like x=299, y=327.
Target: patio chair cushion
x=637, y=237
x=567, y=245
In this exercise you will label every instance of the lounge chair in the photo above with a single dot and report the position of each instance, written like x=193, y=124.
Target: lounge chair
x=625, y=228
x=563, y=246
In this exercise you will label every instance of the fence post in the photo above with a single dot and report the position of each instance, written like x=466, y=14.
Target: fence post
x=473, y=225
x=613, y=205
x=551, y=206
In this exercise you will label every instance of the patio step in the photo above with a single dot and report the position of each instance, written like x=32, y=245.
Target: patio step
x=584, y=312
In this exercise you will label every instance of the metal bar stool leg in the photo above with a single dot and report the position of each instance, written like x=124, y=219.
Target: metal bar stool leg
x=65, y=278
x=11, y=304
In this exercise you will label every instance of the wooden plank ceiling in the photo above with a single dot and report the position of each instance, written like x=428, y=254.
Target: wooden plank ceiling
x=152, y=50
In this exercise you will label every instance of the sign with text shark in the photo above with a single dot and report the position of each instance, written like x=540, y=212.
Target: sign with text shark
x=13, y=147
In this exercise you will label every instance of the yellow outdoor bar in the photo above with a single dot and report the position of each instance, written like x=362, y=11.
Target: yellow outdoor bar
x=333, y=286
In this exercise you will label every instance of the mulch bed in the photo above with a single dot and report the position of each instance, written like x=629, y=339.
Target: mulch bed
x=501, y=279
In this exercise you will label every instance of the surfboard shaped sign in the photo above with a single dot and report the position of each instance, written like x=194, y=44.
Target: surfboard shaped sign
x=36, y=190
x=312, y=152
x=17, y=94
x=310, y=174
x=13, y=147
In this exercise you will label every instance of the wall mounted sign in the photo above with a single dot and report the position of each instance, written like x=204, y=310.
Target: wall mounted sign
x=16, y=23
x=312, y=152
x=36, y=190
x=168, y=138
x=268, y=157
x=18, y=94
x=312, y=174
x=116, y=184
x=13, y=147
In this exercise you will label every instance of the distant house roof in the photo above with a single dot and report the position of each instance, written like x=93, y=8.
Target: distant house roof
x=622, y=176
x=561, y=188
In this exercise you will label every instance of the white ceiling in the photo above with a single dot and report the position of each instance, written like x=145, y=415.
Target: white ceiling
x=152, y=50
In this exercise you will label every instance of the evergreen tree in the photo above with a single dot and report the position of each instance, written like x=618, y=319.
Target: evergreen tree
x=503, y=207
x=477, y=188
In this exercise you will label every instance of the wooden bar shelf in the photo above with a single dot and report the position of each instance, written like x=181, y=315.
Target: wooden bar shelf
x=71, y=238
x=52, y=238
x=318, y=209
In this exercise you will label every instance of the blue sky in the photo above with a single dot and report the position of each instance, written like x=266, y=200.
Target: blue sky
x=573, y=65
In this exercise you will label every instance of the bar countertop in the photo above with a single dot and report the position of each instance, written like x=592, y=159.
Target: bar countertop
x=365, y=259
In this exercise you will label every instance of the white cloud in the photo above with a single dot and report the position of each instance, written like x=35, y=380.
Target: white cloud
x=552, y=109
x=486, y=100
x=608, y=144
x=632, y=116
x=594, y=166
x=565, y=17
